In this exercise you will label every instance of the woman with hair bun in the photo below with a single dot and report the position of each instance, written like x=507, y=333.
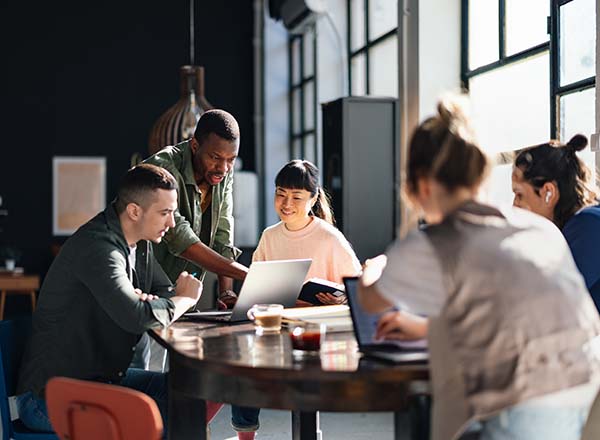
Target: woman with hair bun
x=306, y=229
x=512, y=332
x=550, y=180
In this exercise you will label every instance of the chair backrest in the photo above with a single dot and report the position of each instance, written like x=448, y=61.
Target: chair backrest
x=82, y=410
x=13, y=337
x=591, y=431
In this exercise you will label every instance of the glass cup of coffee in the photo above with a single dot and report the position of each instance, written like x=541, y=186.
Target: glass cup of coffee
x=307, y=338
x=266, y=317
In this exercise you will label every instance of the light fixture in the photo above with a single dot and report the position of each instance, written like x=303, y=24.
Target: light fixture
x=179, y=121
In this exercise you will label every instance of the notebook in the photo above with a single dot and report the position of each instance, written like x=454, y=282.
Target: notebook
x=317, y=285
x=365, y=325
x=267, y=282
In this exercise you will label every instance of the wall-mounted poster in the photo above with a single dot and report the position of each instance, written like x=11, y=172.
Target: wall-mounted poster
x=78, y=191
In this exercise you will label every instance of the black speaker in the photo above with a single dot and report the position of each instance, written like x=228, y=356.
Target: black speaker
x=297, y=14
x=361, y=170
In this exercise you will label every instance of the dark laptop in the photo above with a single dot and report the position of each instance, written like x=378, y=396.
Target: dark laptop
x=365, y=325
x=267, y=282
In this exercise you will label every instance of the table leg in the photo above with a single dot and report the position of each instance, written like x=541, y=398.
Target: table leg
x=305, y=426
x=186, y=416
x=419, y=408
x=2, y=302
x=32, y=296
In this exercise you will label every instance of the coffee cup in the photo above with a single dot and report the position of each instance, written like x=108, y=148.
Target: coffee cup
x=307, y=338
x=266, y=317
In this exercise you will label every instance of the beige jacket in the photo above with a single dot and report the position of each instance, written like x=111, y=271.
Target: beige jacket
x=517, y=322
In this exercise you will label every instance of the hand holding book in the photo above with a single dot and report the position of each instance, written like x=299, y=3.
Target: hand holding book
x=326, y=298
x=318, y=292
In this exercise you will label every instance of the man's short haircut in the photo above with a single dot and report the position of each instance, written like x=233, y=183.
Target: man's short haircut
x=139, y=184
x=219, y=122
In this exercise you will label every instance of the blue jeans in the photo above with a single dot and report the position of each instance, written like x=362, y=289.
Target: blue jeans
x=34, y=413
x=141, y=356
x=529, y=422
x=244, y=418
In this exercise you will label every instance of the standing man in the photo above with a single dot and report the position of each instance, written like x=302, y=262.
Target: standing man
x=101, y=293
x=202, y=238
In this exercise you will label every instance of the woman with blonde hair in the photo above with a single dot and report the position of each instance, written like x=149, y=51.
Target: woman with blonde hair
x=511, y=328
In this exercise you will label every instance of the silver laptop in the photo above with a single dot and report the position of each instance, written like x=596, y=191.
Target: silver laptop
x=267, y=282
x=365, y=325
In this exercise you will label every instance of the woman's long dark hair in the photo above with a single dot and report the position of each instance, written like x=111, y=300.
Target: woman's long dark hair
x=558, y=163
x=302, y=174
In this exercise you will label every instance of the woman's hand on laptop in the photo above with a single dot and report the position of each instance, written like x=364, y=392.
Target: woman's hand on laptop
x=402, y=326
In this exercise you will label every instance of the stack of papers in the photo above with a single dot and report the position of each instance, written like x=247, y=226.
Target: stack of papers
x=337, y=318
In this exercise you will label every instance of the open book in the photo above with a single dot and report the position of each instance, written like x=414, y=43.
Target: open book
x=317, y=285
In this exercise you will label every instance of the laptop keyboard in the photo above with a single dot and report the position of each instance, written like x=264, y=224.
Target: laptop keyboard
x=388, y=347
x=219, y=316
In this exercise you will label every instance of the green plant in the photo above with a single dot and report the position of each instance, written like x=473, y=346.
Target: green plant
x=9, y=252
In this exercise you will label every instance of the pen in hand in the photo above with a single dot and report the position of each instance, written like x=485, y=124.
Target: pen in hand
x=174, y=286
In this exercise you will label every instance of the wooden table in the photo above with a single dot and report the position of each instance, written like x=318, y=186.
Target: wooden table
x=231, y=364
x=20, y=284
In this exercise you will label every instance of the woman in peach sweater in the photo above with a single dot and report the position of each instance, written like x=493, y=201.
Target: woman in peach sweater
x=306, y=229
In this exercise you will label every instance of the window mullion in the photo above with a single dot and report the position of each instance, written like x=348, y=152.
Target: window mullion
x=349, y=44
x=501, y=29
x=368, y=45
x=554, y=68
x=315, y=97
x=302, y=67
x=577, y=86
x=291, y=96
x=464, y=43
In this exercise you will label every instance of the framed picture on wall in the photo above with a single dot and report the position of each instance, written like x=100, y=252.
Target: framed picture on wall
x=78, y=191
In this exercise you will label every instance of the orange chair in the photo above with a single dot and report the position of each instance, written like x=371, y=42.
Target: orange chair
x=81, y=410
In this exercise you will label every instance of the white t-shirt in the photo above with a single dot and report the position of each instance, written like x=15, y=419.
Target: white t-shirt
x=412, y=279
x=132, y=260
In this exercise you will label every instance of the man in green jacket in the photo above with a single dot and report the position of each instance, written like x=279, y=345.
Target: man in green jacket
x=101, y=293
x=202, y=238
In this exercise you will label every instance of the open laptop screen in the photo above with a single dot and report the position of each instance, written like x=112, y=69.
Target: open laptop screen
x=365, y=324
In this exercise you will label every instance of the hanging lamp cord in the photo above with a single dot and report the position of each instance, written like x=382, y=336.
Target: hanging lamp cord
x=192, y=32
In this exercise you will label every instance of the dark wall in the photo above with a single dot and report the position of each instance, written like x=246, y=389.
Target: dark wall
x=90, y=78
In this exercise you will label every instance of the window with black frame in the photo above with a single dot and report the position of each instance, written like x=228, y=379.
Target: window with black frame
x=573, y=84
x=303, y=95
x=529, y=67
x=373, y=47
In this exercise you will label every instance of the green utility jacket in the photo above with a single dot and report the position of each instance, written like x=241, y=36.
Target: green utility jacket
x=89, y=319
x=188, y=220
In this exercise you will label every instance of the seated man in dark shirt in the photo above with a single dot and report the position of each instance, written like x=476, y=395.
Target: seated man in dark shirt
x=102, y=292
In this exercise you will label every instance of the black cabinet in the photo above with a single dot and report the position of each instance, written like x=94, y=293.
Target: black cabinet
x=361, y=169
